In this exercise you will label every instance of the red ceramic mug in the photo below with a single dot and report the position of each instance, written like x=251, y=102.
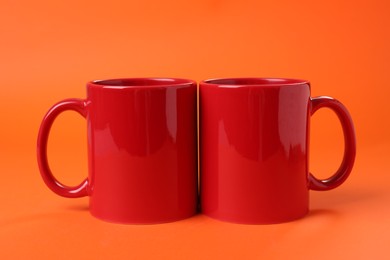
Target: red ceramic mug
x=142, y=149
x=254, y=147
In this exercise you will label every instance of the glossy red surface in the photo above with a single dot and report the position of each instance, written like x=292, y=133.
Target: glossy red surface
x=142, y=149
x=254, y=149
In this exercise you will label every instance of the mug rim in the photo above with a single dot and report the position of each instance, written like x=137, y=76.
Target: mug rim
x=141, y=82
x=239, y=82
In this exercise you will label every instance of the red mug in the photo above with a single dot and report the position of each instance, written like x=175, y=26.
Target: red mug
x=142, y=149
x=254, y=147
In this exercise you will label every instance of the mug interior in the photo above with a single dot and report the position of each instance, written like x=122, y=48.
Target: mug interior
x=142, y=82
x=254, y=81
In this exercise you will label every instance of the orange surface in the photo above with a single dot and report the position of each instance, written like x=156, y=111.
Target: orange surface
x=49, y=49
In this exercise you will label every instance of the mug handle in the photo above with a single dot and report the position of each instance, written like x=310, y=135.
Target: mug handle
x=349, y=144
x=80, y=190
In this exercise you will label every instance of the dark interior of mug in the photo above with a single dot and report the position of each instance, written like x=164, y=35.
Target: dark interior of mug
x=255, y=81
x=128, y=82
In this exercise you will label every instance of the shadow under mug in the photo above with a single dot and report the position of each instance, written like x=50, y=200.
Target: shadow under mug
x=254, y=148
x=142, y=149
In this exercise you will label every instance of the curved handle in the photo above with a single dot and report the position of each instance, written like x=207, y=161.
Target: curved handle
x=349, y=142
x=80, y=190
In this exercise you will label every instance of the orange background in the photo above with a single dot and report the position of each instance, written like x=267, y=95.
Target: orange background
x=50, y=49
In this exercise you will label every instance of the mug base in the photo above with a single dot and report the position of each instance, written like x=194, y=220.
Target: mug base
x=124, y=221
x=259, y=221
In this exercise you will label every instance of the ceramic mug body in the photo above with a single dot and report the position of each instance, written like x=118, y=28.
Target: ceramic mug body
x=254, y=149
x=142, y=149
